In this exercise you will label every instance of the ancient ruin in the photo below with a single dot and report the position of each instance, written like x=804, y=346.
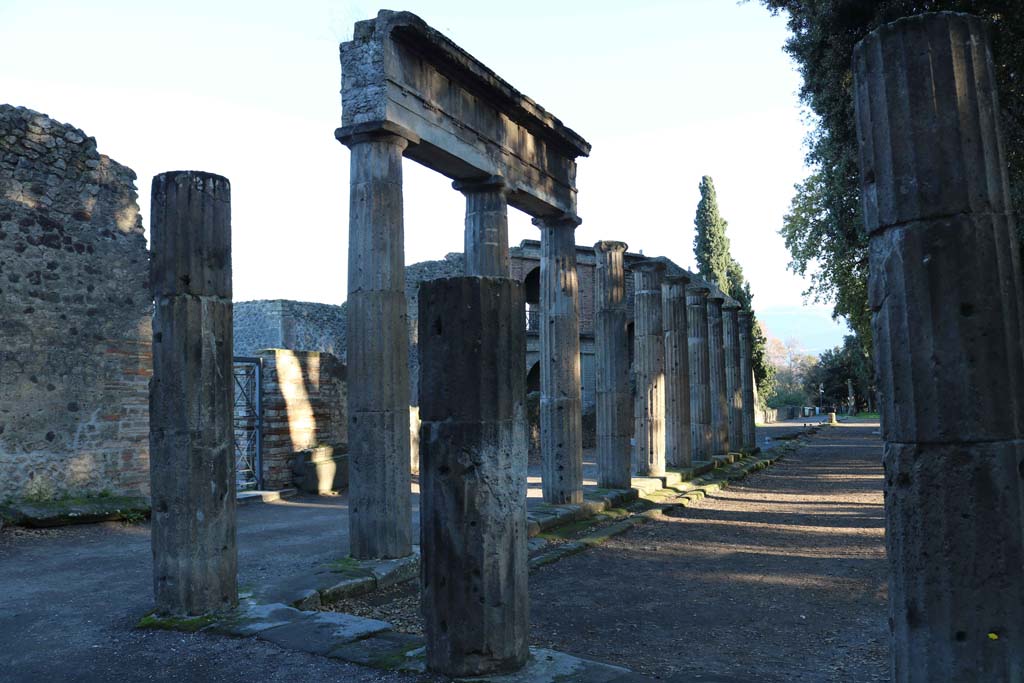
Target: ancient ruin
x=678, y=440
x=614, y=406
x=700, y=372
x=937, y=207
x=192, y=467
x=649, y=370
x=75, y=361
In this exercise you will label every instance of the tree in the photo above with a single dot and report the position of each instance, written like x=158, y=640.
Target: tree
x=835, y=368
x=715, y=264
x=824, y=229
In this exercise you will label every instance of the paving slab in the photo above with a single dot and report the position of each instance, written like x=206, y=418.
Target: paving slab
x=321, y=632
x=549, y=666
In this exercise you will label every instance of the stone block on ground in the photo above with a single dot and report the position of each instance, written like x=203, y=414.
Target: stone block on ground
x=323, y=632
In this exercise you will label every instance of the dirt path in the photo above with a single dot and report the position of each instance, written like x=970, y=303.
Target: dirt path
x=778, y=578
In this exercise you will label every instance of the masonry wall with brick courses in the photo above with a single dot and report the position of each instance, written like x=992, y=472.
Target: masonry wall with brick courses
x=74, y=315
x=304, y=406
x=285, y=324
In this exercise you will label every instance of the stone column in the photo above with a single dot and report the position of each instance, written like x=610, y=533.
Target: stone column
x=473, y=475
x=614, y=405
x=700, y=382
x=192, y=462
x=946, y=298
x=749, y=439
x=380, y=505
x=486, y=242
x=678, y=446
x=716, y=375
x=649, y=370
x=561, y=431
x=733, y=383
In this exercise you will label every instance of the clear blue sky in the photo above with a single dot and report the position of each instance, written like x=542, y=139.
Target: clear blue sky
x=666, y=91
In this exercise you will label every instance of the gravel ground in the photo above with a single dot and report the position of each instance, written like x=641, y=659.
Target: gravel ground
x=778, y=578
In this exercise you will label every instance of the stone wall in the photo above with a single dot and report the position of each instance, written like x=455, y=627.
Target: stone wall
x=305, y=423
x=284, y=324
x=74, y=315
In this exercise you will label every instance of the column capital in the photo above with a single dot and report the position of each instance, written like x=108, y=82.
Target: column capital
x=683, y=280
x=698, y=290
x=558, y=220
x=744, y=316
x=606, y=246
x=370, y=131
x=716, y=297
x=731, y=304
x=492, y=183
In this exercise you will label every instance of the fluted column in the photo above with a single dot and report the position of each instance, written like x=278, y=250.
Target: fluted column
x=192, y=463
x=614, y=407
x=749, y=440
x=700, y=381
x=486, y=237
x=561, y=432
x=678, y=446
x=946, y=299
x=733, y=388
x=649, y=370
x=380, y=506
x=716, y=375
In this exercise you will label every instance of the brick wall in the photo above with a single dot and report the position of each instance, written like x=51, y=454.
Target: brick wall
x=74, y=315
x=304, y=407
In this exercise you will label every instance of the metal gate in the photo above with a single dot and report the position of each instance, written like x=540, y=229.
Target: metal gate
x=248, y=422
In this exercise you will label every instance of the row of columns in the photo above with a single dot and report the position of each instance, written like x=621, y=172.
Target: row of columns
x=692, y=348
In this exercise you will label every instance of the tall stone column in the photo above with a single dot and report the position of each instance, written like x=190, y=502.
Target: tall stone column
x=486, y=242
x=700, y=371
x=380, y=505
x=649, y=370
x=561, y=431
x=192, y=461
x=733, y=383
x=716, y=374
x=749, y=439
x=946, y=298
x=473, y=475
x=614, y=405
x=678, y=446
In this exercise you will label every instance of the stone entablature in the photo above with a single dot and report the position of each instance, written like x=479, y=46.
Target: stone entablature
x=74, y=313
x=467, y=123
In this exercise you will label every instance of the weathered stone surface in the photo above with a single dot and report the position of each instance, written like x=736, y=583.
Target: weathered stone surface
x=614, y=406
x=716, y=375
x=75, y=313
x=473, y=475
x=560, y=401
x=192, y=465
x=486, y=241
x=468, y=122
x=321, y=632
x=700, y=381
x=747, y=382
x=678, y=438
x=733, y=383
x=380, y=511
x=649, y=370
x=946, y=296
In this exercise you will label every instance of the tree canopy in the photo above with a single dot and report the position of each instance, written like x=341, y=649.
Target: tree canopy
x=823, y=229
x=715, y=264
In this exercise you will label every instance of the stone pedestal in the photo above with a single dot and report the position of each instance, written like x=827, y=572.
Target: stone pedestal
x=716, y=374
x=614, y=405
x=486, y=243
x=649, y=370
x=747, y=381
x=561, y=430
x=192, y=462
x=700, y=382
x=678, y=447
x=733, y=382
x=380, y=508
x=473, y=475
x=946, y=296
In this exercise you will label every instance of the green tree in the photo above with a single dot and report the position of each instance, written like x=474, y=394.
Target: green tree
x=824, y=228
x=715, y=264
x=835, y=368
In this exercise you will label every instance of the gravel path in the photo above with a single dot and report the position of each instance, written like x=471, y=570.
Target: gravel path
x=778, y=578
